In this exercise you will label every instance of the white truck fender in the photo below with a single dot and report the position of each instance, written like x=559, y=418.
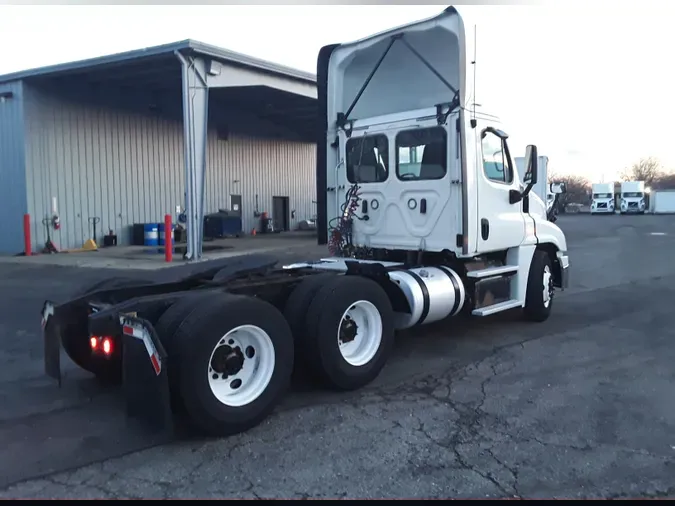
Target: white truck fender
x=550, y=234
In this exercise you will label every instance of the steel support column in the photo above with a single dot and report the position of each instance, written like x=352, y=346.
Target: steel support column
x=195, y=118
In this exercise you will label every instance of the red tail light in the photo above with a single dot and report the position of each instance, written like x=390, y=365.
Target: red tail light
x=107, y=346
x=101, y=344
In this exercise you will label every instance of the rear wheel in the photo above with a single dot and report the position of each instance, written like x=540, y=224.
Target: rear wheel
x=75, y=336
x=295, y=312
x=350, y=332
x=167, y=327
x=235, y=357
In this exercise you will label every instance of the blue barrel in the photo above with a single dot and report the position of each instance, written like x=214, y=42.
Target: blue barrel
x=150, y=234
x=161, y=233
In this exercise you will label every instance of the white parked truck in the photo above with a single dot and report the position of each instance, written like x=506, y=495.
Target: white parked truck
x=602, y=201
x=426, y=217
x=633, y=197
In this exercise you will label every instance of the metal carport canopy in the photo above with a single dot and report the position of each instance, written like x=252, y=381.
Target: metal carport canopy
x=203, y=67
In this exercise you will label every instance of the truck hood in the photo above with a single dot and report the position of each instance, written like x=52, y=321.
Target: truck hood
x=403, y=81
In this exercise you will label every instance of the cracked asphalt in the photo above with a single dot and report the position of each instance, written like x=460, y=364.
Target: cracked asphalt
x=581, y=406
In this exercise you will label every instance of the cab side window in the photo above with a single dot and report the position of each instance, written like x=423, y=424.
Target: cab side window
x=495, y=160
x=421, y=154
x=368, y=159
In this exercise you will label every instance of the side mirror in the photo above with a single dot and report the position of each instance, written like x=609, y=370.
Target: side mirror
x=558, y=188
x=531, y=166
x=530, y=176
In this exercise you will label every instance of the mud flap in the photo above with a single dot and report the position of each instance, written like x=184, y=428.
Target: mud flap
x=52, y=342
x=145, y=375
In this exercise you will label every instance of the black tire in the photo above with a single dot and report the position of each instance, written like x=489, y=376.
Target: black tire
x=75, y=336
x=167, y=327
x=323, y=322
x=195, y=340
x=536, y=309
x=295, y=312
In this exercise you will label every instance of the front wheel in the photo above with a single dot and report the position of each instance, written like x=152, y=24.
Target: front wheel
x=540, y=289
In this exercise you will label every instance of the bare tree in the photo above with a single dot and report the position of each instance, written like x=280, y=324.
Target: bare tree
x=648, y=170
x=578, y=189
x=664, y=182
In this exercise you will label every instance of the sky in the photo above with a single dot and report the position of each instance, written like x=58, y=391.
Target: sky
x=590, y=84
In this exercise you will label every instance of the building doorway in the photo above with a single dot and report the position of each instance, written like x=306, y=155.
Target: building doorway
x=281, y=213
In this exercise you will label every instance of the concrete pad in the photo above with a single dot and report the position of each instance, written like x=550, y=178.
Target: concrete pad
x=580, y=406
x=152, y=258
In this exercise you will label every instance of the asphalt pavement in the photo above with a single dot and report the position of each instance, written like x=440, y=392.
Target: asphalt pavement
x=581, y=406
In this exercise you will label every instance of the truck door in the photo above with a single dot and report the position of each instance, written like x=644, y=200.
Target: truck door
x=501, y=225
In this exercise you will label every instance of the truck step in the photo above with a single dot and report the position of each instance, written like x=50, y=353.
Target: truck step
x=497, y=308
x=493, y=271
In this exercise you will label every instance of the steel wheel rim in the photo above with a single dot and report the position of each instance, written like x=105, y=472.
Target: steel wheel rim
x=547, y=286
x=251, y=348
x=364, y=346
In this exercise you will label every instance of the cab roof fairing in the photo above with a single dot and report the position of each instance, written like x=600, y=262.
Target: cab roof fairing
x=332, y=57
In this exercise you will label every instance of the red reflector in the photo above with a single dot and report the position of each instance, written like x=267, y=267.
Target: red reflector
x=107, y=346
x=128, y=330
x=94, y=343
x=155, y=364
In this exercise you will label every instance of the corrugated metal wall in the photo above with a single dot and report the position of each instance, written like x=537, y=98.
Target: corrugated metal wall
x=12, y=169
x=128, y=168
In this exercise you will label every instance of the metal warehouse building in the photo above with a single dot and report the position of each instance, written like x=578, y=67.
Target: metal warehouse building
x=126, y=138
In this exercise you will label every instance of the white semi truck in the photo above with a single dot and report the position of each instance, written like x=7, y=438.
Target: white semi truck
x=602, y=201
x=423, y=210
x=633, y=197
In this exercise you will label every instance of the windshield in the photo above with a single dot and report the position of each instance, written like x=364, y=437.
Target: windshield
x=632, y=194
x=602, y=195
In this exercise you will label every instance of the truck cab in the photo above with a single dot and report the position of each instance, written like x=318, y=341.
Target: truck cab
x=411, y=172
x=602, y=201
x=633, y=197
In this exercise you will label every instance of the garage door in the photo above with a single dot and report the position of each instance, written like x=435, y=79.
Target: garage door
x=664, y=202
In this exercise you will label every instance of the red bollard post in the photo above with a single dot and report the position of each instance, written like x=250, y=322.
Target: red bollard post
x=168, y=239
x=27, y=248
